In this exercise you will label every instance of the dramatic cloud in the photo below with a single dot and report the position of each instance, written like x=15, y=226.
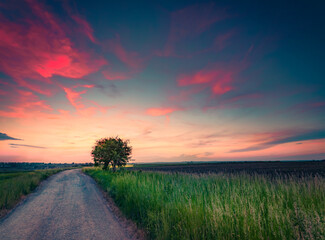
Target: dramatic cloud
x=75, y=99
x=314, y=135
x=22, y=104
x=68, y=75
x=217, y=77
x=4, y=136
x=24, y=145
x=38, y=48
x=219, y=80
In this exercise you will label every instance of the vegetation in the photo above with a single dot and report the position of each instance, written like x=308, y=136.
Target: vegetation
x=27, y=166
x=270, y=168
x=114, y=151
x=13, y=186
x=219, y=206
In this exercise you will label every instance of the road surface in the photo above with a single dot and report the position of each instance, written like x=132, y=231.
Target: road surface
x=68, y=205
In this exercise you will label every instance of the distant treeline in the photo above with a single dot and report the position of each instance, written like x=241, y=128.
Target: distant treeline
x=26, y=166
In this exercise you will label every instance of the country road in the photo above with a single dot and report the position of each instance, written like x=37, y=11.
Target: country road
x=68, y=205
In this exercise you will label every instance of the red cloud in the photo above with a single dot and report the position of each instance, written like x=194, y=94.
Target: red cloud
x=218, y=80
x=23, y=103
x=38, y=48
x=75, y=99
x=161, y=111
x=189, y=22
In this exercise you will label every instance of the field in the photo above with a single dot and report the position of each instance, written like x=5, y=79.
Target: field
x=275, y=168
x=14, y=185
x=26, y=166
x=233, y=205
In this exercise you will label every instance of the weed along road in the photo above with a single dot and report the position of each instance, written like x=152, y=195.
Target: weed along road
x=68, y=205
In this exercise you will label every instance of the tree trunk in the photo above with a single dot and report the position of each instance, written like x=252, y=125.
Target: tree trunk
x=105, y=165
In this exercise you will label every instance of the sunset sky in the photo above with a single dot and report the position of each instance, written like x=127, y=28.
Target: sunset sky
x=182, y=80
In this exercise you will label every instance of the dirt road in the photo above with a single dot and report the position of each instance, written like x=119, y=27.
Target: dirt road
x=68, y=205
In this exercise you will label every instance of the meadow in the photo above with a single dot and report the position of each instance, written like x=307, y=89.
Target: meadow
x=15, y=185
x=270, y=168
x=239, y=205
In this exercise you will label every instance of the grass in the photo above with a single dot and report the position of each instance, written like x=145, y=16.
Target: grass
x=218, y=206
x=13, y=186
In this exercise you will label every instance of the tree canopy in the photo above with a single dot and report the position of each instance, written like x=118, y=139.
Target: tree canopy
x=113, y=150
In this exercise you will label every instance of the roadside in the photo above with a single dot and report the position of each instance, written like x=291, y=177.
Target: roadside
x=69, y=205
x=130, y=226
x=16, y=186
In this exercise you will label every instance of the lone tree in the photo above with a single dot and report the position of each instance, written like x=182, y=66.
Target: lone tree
x=112, y=151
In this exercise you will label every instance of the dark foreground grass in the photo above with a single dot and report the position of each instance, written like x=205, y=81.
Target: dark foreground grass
x=219, y=206
x=13, y=186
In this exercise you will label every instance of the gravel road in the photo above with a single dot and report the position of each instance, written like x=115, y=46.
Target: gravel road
x=68, y=205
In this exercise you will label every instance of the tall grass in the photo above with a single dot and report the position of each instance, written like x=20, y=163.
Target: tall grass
x=15, y=185
x=217, y=206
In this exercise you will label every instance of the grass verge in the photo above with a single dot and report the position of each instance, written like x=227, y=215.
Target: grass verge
x=218, y=206
x=13, y=186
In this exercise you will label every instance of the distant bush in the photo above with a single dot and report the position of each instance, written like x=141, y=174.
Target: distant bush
x=219, y=206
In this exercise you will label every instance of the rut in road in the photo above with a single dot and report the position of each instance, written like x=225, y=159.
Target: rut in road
x=68, y=205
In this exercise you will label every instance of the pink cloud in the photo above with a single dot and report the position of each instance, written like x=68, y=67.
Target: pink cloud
x=101, y=108
x=74, y=97
x=23, y=103
x=284, y=137
x=219, y=80
x=35, y=50
x=78, y=103
x=85, y=86
x=219, y=77
x=185, y=94
x=161, y=111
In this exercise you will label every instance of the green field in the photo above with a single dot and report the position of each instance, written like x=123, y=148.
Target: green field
x=13, y=186
x=218, y=206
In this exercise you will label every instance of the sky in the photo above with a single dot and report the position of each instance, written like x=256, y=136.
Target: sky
x=182, y=80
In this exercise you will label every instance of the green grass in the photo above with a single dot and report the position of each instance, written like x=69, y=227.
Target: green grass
x=218, y=206
x=13, y=186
